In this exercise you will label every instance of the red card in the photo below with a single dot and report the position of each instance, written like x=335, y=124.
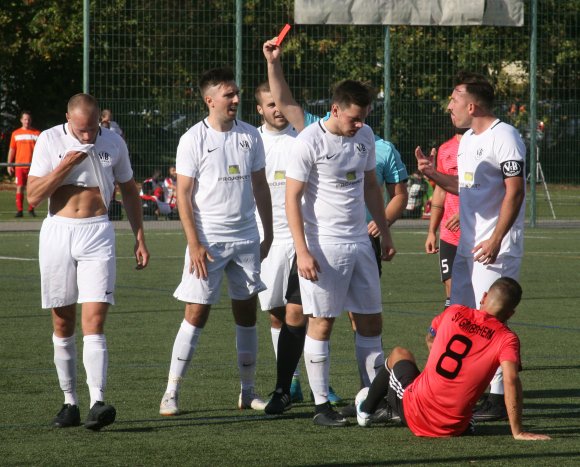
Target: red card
x=282, y=34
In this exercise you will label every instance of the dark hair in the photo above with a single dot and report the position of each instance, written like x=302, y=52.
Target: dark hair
x=509, y=291
x=477, y=85
x=215, y=77
x=147, y=188
x=26, y=112
x=349, y=92
x=264, y=86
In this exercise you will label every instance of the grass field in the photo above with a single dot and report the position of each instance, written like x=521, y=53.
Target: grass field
x=211, y=431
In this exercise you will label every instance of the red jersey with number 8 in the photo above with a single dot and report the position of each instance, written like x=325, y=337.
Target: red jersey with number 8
x=469, y=346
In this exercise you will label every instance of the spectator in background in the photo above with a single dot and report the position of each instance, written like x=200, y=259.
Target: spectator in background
x=108, y=122
x=170, y=187
x=21, y=148
x=417, y=188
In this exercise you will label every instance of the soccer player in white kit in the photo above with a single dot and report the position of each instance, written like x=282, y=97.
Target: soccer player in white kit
x=76, y=166
x=491, y=186
x=220, y=182
x=332, y=166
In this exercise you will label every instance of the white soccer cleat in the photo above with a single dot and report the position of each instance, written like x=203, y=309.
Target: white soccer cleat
x=362, y=418
x=249, y=400
x=168, y=405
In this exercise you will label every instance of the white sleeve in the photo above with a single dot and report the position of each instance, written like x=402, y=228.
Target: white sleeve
x=122, y=170
x=186, y=160
x=259, y=161
x=301, y=160
x=41, y=162
x=371, y=158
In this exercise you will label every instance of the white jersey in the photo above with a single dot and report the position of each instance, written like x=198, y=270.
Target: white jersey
x=109, y=148
x=277, y=146
x=222, y=164
x=333, y=168
x=483, y=162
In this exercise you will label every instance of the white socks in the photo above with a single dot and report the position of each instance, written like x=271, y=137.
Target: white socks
x=183, y=350
x=369, y=356
x=275, y=338
x=317, y=360
x=65, y=360
x=96, y=360
x=247, y=346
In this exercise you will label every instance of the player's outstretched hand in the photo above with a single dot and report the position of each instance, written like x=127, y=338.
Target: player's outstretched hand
x=271, y=51
x=526, y=436
x=425, y=163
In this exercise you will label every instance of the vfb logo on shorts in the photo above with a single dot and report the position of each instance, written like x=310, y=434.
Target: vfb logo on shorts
x=512, y=169
x=105, y=158
x=361, y=149
x=245, y=145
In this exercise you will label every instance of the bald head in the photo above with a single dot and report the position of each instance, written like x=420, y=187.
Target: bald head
x=84, y=102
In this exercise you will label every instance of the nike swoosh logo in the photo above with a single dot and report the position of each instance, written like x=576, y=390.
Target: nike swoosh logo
x=184, y=359
x=108, y=293
x=247, y=364
x=379, y=367
x=212, y=150
x=330, y=157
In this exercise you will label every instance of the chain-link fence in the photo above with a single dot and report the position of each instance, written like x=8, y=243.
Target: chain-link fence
x=146, y=58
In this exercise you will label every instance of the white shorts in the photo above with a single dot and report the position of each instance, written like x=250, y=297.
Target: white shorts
x=241, y=263
x=348, y=279
x=275, y=273
x=471, y=279
x=77, y=261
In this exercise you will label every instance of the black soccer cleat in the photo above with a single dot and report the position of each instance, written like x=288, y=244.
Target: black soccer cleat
x=100, y=416
x=18, y=214
x=31, y=213
x=279, y=403
x=491, y=410
x=327, y=416
x=68, y=416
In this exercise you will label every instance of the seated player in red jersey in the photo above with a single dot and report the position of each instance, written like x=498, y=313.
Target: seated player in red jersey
x=466, y=347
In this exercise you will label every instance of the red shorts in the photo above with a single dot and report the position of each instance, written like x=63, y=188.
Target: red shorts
x=21, y=174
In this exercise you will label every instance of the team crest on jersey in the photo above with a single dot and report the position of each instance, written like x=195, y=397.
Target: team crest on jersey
x=361, y=149
x=479, y=154
x=512, y=169
x=350, y=176
x=234, y=169
x=279, y=175
x=245, y=145
x=105, y=158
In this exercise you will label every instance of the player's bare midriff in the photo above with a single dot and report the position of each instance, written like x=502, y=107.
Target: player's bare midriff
x=77, y=202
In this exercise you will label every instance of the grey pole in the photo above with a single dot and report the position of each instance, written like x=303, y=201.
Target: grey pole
x=387, y=86
x=239, y=50
x=533, y=109
x=86, y=13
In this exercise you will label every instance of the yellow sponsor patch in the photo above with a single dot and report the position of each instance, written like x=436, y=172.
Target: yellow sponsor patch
x=279, y=175
x=234, y=169
x=468, y=177
x=350, y=176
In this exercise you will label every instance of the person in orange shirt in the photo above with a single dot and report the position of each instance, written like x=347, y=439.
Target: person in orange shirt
x=21, y=147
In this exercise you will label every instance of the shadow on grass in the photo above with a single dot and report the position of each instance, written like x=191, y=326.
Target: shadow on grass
x=537, y=459
x=163, y=423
